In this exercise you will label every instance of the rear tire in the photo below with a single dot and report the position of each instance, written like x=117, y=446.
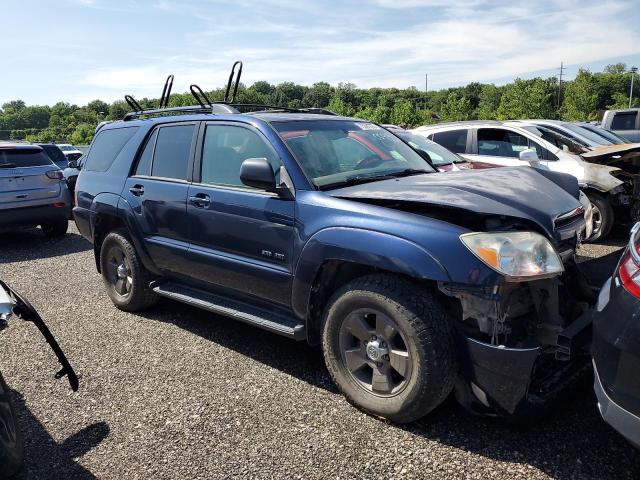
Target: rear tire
x=11, y=439
x=124, y=276
x=603, y=217
x=388, y=346
x=55, y=229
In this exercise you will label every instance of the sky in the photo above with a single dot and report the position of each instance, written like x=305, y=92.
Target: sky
x=81, y=50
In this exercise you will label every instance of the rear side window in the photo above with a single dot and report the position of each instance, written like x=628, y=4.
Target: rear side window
x=106, y=147
x=624, y=121
x=454, y=140
x=23, y=157
x=171, y=156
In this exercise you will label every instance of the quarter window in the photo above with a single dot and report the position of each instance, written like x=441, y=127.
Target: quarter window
x=106, y=147
x=171, y=157
x=225, y=148
x=453, y=140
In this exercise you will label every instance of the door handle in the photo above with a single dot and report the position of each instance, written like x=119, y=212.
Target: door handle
x=200, y=200
x=137, y=190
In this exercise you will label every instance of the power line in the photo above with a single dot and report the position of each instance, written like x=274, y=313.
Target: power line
x=562, y=69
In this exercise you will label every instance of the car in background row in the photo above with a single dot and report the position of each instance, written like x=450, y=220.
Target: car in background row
x=625, y=122
x=56, y=155
x=71, y=152
x=616, y=344
x=599, y=172
x=580, y=134
x=32, y=190
x=446, y=161
x=609, y=135
x=71, y=174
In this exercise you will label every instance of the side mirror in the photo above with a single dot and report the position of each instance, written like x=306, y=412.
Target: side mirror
x=528, y=155
x=257, y=172
x=73, y=164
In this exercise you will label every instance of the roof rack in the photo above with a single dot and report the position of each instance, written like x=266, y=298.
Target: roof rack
x=205, y=105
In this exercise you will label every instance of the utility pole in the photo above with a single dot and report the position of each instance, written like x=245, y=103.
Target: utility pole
x=426, y=84
x=633, y=74
x=560, y=83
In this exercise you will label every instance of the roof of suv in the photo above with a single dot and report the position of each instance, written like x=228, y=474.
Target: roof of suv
x=19, y=146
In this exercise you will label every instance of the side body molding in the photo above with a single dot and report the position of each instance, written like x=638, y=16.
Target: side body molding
x=366, y=247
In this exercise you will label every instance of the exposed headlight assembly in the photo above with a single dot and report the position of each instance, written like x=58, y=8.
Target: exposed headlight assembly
x=516, y=255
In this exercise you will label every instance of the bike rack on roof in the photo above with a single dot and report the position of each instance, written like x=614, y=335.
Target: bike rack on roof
x=205, y=105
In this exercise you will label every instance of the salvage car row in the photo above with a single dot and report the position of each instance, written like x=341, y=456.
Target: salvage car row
x=341, y=233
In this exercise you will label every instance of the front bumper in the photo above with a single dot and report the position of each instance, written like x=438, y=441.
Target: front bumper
x=516, y=382
x=625, y=422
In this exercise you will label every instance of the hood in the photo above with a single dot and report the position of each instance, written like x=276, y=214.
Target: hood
x=609, y=154
x=518, y=192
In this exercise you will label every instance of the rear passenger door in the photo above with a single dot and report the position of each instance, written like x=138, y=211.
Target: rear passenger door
x=241, y=237
x=157, y=193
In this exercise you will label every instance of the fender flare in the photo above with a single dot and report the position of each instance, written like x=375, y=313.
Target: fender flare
x=366, y=247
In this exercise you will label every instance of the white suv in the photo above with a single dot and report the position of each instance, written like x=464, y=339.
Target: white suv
x=609, y=189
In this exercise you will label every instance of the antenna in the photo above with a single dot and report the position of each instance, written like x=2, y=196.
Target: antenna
x=231, y=80
x=166, y=92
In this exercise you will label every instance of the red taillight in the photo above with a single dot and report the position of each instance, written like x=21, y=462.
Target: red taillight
x=55, y=174
x=59, y=205
x=629, y=273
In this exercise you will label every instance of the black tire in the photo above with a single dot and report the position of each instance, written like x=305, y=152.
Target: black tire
x=427, y=340
x=11, y=439
x=602, y=209
x=120, y=262
x=55, y=229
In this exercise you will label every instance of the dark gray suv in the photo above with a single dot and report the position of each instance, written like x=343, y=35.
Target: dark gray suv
x=32, y=190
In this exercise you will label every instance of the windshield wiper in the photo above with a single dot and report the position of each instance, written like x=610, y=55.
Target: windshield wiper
x=7, y=165
x=408, y=172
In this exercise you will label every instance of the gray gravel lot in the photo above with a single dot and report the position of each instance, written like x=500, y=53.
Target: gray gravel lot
x=180, y=393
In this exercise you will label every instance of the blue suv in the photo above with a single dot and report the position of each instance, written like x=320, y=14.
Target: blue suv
x=335, y=231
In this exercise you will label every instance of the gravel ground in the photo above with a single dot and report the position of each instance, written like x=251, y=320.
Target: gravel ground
x=179, y=393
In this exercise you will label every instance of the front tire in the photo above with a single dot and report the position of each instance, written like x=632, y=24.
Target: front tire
x=603, y=217
x=124, y=276
x=388, y=346
x=11, y=439
x=55, y=229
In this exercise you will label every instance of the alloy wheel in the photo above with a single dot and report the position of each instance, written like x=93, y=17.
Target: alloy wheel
x=374, y=352
x=119, y=271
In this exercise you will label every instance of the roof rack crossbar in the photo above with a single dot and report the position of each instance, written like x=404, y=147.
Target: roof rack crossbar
x=200, y=96
x=133, y=104
x=236, y=82
x=166, y=92
x=156, y=111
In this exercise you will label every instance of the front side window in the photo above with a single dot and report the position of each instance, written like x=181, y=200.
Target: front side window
x=495, y=142
x=172, y=149
x=624, y=121
x=334, y=152
x=225, y=148
x=106, y=147
x=453, y=140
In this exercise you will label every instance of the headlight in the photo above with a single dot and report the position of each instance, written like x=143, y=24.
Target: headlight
x=516, y=255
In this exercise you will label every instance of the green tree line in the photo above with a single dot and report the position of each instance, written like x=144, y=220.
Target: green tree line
x=581, y=99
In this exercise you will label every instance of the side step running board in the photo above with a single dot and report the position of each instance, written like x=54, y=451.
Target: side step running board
x=237, y=310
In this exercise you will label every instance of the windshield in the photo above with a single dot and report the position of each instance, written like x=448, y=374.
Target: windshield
x=438, y=154
x=560, y=141
x=337, y=152
x=608, y=134
x=594, y=137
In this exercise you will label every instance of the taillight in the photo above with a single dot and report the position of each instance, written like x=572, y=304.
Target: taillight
x=629, y=267
x=55, y=174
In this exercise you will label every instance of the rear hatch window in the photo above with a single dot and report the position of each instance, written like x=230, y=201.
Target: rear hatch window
x=23, y=157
